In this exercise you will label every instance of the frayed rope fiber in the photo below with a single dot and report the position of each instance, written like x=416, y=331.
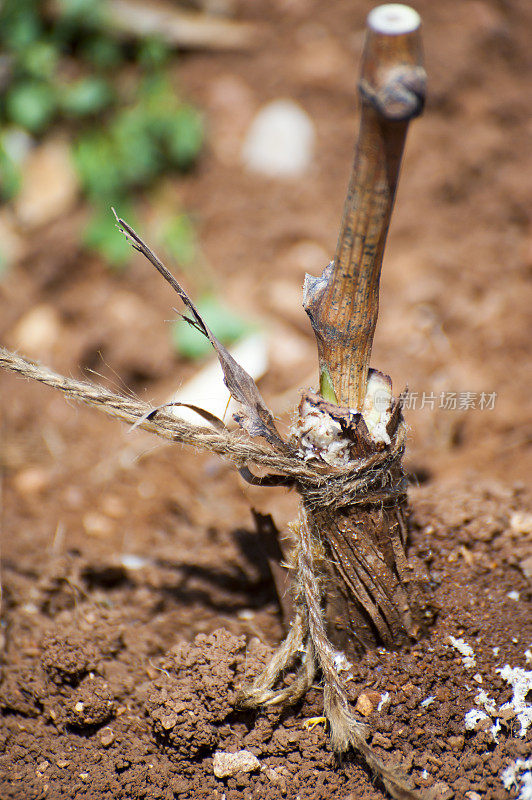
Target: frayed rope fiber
x=320, y=485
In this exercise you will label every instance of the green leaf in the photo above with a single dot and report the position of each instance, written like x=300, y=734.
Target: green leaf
x=156, y=92
x=86, y=13
x=184, y=137
x=40, y=59
x=86, y=96
x=139, y=159
x=19, y=24
x=225, y=324
x=10, y=177
x=177, y=125
x=102, y=236
x=31, y=104
x=96, y=163
x=326, y=386
x=102, y=52
x=153, y=52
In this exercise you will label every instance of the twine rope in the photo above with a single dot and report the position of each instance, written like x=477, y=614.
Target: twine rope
x=367, y=481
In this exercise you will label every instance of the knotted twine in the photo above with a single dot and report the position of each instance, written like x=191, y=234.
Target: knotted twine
x=366, y=480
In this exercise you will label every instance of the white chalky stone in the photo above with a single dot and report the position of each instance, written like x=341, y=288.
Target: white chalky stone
x=225, y=765
x=280, y=140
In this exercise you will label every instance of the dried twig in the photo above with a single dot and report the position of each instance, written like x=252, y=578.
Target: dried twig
x=256, y=419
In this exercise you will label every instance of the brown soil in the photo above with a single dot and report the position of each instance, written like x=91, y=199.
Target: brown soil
x=136, y=596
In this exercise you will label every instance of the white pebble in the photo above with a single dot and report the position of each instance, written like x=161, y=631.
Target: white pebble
x=521, y=682
x=476, y=719
x=225, y=765
x=511, y=777
x=280, y=140
x=427, y=701
x=131, y=561
x=465, y=650
x=37, y=331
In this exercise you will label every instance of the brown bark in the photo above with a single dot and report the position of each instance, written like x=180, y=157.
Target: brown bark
x=343, y=303
x=373, y=594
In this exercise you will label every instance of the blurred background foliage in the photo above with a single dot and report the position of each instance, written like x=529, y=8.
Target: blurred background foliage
x=64, y=65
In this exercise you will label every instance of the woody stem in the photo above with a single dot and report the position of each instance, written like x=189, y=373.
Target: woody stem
x=343, y=302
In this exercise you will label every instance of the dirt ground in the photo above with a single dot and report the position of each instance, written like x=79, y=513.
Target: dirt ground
x=135, y=595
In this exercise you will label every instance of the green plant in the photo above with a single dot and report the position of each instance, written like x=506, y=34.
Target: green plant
x=100, y=236
x=226, y=325
x=123, y=139
x=89, y=95
x=9, y=173
x=179, y=239
x=30, y=104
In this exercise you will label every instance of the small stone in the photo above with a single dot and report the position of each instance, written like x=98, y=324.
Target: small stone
x=280, y=140
x=278, y=776
x=62, y=763
x=37, y=332
x=107, y=737
x=382, y=741
x=84, y=776
x=131, y=561
x=456, y=742
x=473, y=796
x=507, y=712
x=113, y=506
x=521, y=522
x=477, y=720
x=97, y=525
x=526, y=567
x=462, y=785
x=227, y=765
x=169, y=722
x=441, y=791
x=31, y=480
x=364, y=705
x=49, y=184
